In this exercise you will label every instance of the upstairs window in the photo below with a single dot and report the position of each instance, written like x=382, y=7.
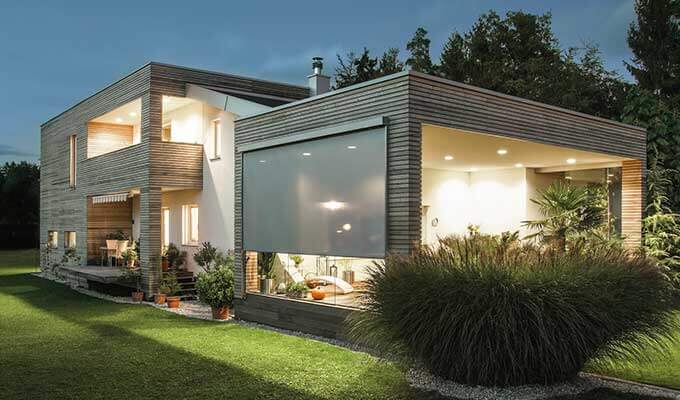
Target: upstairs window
x=216, y=139
x=165, y=227
x=73, y=160
x=190, y=224
x=53, y=239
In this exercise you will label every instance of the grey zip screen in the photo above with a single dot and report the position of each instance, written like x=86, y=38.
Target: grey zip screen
x=323, y=196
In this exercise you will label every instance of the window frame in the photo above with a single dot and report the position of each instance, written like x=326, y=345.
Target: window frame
x=165, y=227
x=216, y=138
x=73, y=160
x=53, y=242
x=67, y=241
x=189, y=221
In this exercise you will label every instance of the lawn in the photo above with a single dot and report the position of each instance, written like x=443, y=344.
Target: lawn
x=61, y=344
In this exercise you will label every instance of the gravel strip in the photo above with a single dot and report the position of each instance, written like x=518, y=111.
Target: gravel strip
x=418, y=378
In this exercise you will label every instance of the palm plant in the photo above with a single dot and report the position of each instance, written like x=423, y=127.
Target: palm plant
x=568, y=211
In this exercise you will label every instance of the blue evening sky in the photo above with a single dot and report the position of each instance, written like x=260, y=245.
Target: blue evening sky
x=53, y=54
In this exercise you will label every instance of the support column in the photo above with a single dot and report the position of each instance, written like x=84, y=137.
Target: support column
x=150, y=240
x=632, y=202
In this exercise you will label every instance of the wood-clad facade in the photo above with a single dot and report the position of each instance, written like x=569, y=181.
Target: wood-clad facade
x=147, y=167
x=407, y=101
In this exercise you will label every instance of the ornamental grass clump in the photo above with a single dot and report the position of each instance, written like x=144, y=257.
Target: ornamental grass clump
x=485, y=310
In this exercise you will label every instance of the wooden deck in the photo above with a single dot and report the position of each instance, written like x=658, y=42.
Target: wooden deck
x=95, y=273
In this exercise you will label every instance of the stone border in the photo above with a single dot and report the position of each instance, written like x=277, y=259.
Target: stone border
x=417, y=377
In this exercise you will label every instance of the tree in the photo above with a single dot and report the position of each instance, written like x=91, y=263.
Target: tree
x=419, y=47
x=19, y=193
x=663, y=135
x=519, y=55
x=363, y=68
x=655, y=41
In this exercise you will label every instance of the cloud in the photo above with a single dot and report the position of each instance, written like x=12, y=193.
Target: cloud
x=7, y=150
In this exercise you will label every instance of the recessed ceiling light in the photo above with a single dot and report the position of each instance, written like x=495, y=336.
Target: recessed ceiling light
x=568, y=177
x=351, y=147
x=502, y=152
x=474, y=169
x=333, y=205
x=571, y=161
x=519, y=165
x=339, y=231
x=263, y=161
x=347, y=227
x=119, y=120
x=133, y=114
x=306, y=154
x=448, y=158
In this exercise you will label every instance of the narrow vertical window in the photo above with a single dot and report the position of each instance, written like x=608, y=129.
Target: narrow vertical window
x=53, y=239
x=73, y=159
x=217, y=139
x=165, y=227
x=69, y=239
x=190, y=224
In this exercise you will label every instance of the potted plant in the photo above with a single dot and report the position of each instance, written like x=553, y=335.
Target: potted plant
x=297, y=260
x=130, y=257
x=216, y=289
x=297, y=290
x=133, y=276
x=176, y=257
x=265, y=263
x=171, y=288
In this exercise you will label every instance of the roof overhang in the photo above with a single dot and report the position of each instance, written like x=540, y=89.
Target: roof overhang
x=225, y=102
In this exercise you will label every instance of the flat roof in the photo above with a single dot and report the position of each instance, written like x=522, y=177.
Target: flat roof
x=447, y=81
x=171, y=66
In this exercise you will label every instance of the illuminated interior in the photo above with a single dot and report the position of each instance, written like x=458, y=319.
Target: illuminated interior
x=115, y=130
x=489, y=181
x=182, y=120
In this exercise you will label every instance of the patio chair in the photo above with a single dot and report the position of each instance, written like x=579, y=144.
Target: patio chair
x=111, y=250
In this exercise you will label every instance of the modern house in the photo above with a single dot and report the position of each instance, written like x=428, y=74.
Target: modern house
x=330, y=181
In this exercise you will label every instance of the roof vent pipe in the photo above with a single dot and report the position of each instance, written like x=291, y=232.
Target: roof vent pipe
x=318, y=83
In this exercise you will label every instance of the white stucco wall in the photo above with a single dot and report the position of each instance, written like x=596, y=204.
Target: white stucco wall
x=216, y=200
x=497, y=200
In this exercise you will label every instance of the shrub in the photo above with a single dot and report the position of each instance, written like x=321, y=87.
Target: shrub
x=296, y=290
x=175, y=257
x=482, y=310
x=169, y=285
x=216, y=286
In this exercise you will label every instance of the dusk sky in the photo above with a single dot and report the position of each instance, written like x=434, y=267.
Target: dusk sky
x=57, y=53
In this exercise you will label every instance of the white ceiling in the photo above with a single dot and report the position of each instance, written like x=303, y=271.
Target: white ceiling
x=477, y=151
x=127, y=114
x=131, y=113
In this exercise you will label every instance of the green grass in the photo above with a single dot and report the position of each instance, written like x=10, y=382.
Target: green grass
x=60, y=344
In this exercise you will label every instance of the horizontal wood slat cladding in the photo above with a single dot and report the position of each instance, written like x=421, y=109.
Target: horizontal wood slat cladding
x=632, y=202
x=104, y=138
x=103, y=219
x=386, y=99
x=178, y=165
x=445, y=103
x=297, y=315
x=146, y=166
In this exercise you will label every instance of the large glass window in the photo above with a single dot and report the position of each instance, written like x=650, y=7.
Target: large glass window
x=165, y=227
x=322, y=279
x=324, y=196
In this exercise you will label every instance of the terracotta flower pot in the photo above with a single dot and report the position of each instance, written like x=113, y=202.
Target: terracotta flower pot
x=137, y=296
x=173, y=301
x=220, y=313
x=165, y=265
x=318, y=294
x=159, y=298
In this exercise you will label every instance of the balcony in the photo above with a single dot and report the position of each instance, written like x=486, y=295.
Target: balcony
x=178, y=165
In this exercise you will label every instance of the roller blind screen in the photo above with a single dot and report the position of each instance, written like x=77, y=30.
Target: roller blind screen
x=324, y=196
